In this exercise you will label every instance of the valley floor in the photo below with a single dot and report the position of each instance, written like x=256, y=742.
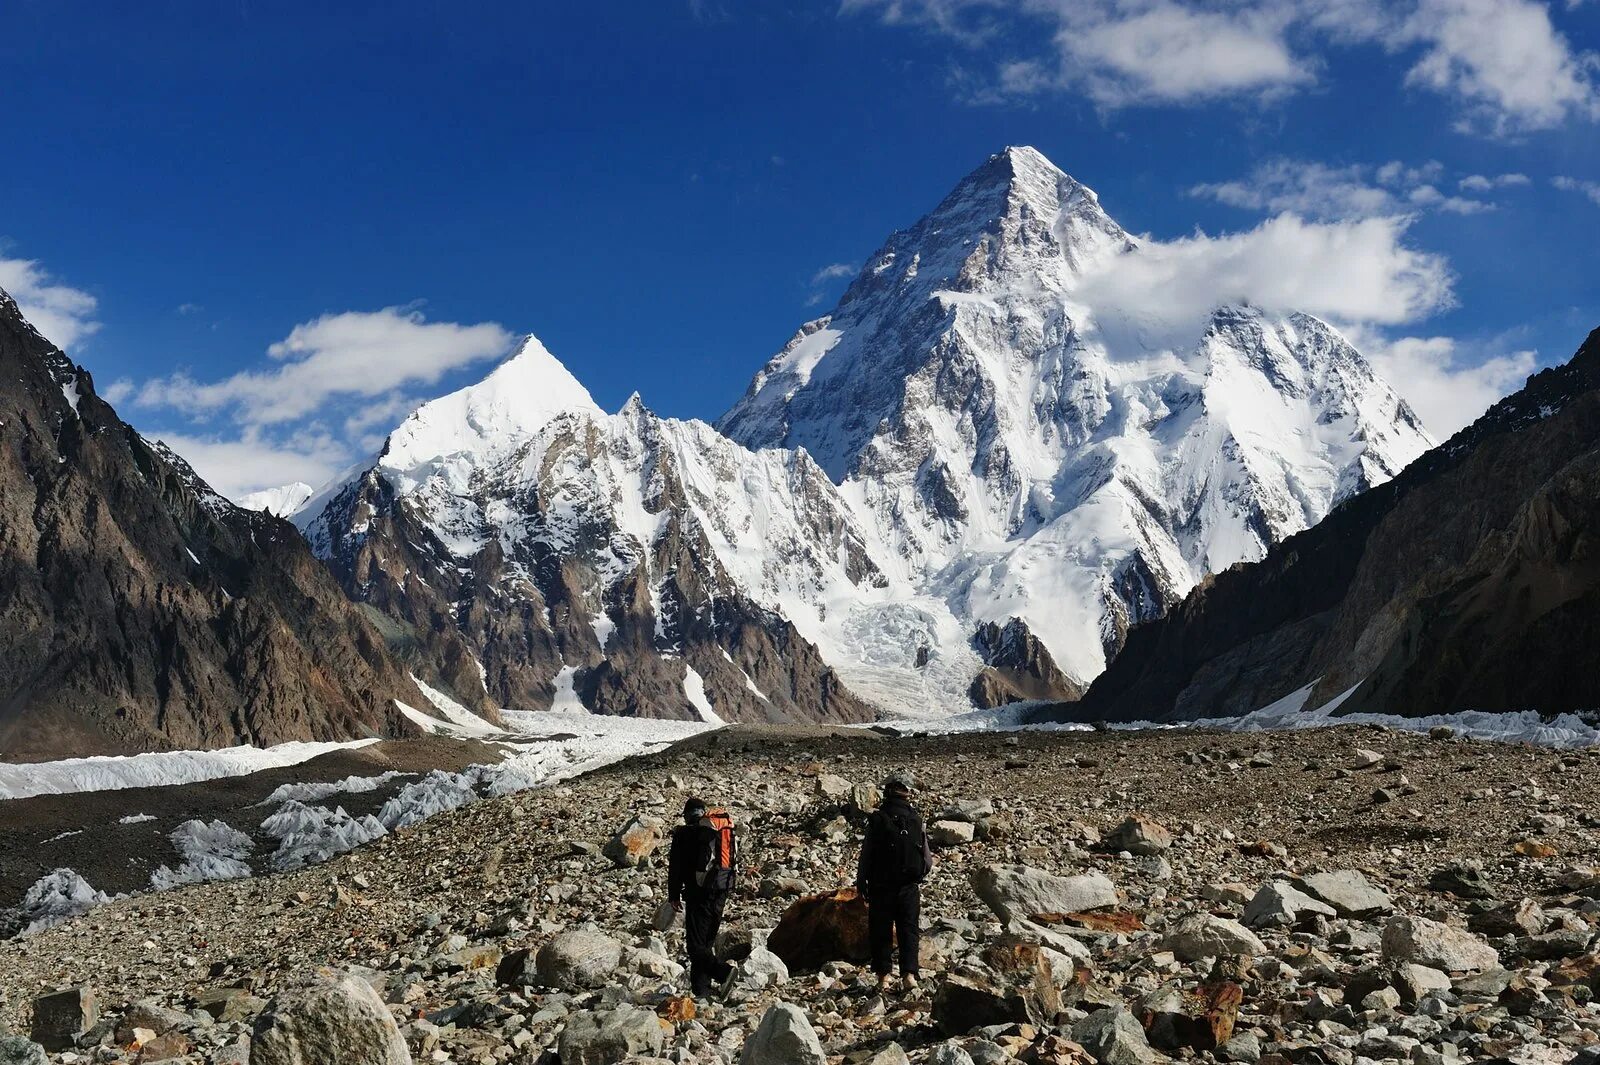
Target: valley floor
x=426, y=912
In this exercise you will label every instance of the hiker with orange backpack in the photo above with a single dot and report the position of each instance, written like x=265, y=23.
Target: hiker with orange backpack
x=700, y=869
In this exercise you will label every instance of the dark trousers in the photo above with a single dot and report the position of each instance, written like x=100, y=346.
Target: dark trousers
x=702, y=917
x=895, y=914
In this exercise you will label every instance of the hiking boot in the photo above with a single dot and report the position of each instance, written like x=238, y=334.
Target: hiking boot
x=883, y=983
x=911, y=984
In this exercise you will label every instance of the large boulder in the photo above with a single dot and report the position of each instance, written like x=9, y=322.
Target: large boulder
x=822, y=928
x=1439, y=946
x=330, y=1019
x=1020, y=891
x=1139, y=835
x=605, y=1037
x=1114, y=1037
x=1012, y=982
x=15, y=1050
x=944, y=834
x=784, y=1037
x=577, y=961
x=1281, y=905
x=60, y=1017
x=635, y=841
x=1203, y=935
x=1348, y=892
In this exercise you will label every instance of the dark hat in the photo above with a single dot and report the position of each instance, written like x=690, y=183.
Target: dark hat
x=898, y=781
x=694, y=807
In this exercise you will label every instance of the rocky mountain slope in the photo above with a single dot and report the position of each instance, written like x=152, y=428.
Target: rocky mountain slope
x=1027, y=447
x=535, y=547
x=140, y=610
x=1469, y=582
x=1113, y=898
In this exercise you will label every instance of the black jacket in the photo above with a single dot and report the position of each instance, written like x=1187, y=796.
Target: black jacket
x=880, y=867
x=692, y=849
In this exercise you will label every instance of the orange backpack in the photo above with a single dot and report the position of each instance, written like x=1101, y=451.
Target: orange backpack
x=718, y=872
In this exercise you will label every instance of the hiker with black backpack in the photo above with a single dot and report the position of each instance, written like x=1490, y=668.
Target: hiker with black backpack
x=895, y=859
x=699, y=879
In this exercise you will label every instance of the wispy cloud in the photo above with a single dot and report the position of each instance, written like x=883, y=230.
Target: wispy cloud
x=1483, y=183
x=62, y=314
x=359, y=354
x=1447, y=382
x=1588, y=188
x=1503, y=61
x=1317, y=190
x=823, y=279
x=1354, y=271
x=328, y=392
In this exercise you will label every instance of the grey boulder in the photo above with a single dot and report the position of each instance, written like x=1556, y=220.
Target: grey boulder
x=331, y=1018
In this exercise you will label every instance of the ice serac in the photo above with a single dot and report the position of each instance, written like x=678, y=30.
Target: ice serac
x=139, y=610
x=516, y=536
x=1021, y=450
x=1467, y=583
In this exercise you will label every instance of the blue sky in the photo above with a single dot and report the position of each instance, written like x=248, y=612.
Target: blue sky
x=268, y=229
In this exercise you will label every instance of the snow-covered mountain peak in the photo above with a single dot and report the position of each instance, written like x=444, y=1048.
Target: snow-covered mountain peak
x=486, y=420
x=282, y=502
x=1021, y=454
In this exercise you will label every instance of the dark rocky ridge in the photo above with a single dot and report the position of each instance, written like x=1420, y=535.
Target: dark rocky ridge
x=1469, y=582
x=139, y=610
x=1017, y=666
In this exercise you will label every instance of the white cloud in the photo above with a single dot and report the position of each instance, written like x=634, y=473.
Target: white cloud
x=62, y=314
x=1317, y=190
x=1174, y=53
x=1446, y=389
x=351, y=371
x=1356, y=271
x=353, y=354
x=1503, y=61
x=1590, y=189
x=833, y=272
x=1484, y=183
x=252, y=461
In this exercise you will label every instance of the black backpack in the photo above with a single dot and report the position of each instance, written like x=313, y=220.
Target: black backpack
x=905, y=852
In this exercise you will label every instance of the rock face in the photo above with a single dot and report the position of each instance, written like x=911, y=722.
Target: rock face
x=525, y=542
x=1439, y=946
x=577, y=960
x=61, y=1017
x=139, y=610
x=1203, y=935
x=1013, y=983
x=1017, y=892
x=610, y=1036
x=1028, y=453
x=784, y=1037
x=1463, y=584
x=1016, y=666
x=822, y=928
x=15, y=1050
x=330, y=1019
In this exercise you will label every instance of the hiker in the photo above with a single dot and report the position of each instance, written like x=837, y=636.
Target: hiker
x=699, y=879
x=895, y=859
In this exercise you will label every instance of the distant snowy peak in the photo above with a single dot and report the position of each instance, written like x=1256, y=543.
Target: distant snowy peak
x=488, y=419
x=282, y=502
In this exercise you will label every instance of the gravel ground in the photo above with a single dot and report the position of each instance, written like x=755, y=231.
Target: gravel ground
x=412, y=911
